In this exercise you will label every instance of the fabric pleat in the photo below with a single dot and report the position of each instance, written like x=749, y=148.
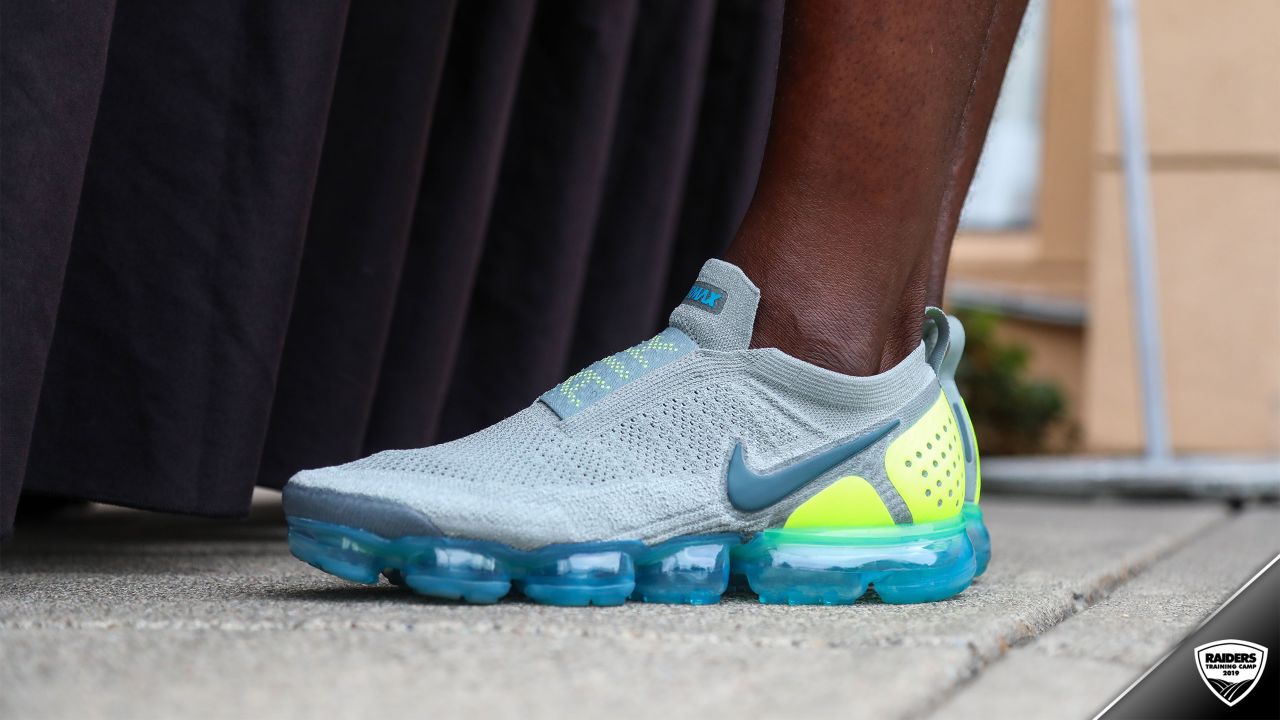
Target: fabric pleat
x=358, y=232
x=53, y=58
x=549, y=189
x=458, y=186
x=250, y=237
x=738, y=96
x=179, y=286
x=652, y=143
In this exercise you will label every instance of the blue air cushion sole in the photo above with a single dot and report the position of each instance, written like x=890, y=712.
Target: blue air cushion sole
x=919, y=563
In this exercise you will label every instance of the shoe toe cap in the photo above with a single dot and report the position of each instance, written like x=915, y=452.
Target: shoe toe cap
x=320, y=495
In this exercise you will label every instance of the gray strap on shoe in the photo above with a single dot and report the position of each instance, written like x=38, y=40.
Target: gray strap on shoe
x=943, y=345
x=951, y=358
x=938, y=329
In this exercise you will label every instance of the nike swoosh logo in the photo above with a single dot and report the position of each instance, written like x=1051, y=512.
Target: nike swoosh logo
x=750, y=491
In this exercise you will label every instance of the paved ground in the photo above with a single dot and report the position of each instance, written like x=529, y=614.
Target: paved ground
x=127, y=615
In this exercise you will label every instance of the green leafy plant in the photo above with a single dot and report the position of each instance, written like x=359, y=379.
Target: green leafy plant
x=1011, y=414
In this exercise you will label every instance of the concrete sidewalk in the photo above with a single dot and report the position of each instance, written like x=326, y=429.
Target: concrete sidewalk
x=128, y=615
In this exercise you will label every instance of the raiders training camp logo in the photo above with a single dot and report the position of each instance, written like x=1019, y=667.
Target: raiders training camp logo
x=1230, y=667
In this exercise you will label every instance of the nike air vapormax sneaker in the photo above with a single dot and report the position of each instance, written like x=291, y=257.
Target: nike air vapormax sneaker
x=656, y=473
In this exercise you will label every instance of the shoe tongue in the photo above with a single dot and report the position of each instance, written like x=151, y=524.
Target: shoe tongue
x=719, y=312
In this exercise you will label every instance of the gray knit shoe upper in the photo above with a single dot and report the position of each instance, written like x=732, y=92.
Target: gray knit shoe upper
x=689, y=432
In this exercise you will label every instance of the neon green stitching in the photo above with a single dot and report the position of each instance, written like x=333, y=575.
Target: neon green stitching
x=657, y=343
x=639, y=357
x=579, y=380
x=616, y=365
x=653, y=344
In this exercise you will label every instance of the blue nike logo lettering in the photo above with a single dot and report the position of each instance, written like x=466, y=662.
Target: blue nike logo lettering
x=705, y=296
x=750, y=491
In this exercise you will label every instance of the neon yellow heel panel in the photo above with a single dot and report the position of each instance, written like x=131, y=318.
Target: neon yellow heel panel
x=847, y=502
x=977, y=456
x=926, y=465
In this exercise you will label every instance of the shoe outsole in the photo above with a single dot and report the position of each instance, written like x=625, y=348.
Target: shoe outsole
x=924, y=564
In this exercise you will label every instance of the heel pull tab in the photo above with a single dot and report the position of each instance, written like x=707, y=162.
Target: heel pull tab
x=937, y=339
x=951, y=358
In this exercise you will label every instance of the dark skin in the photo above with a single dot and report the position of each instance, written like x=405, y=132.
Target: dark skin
x=878, y=122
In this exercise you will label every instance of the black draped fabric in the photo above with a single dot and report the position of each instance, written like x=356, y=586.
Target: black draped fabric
x=244, y=238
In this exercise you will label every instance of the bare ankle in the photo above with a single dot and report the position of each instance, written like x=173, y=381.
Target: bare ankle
x=837, y=339
x=849, y=317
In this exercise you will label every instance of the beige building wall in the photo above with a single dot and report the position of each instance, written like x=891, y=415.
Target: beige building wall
x=1212, y=99
x=1212, y=94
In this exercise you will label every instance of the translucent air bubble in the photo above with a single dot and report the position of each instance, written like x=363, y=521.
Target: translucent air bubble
x=903, y=563
x=689, y=569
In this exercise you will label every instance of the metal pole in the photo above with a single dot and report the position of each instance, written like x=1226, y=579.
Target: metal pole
x=1141, y=236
